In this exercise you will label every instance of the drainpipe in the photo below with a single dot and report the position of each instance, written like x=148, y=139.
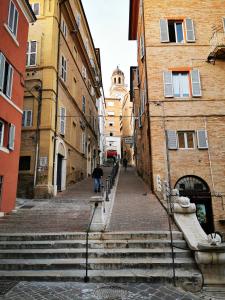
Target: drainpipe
x=60, y=2
x=37, y=151
x=148, y=106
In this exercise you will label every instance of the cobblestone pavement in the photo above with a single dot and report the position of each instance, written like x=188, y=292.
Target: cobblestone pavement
x=93, y=291
x=69, y=211
x=135, y=208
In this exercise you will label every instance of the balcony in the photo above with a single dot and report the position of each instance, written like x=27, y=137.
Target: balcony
x=217, y=46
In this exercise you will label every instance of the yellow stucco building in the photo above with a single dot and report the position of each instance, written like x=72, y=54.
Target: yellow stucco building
x=63, y=82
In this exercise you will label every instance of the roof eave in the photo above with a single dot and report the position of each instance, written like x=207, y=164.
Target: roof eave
x=133, y=19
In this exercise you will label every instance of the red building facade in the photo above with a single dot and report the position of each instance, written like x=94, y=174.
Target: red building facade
x=15, y=16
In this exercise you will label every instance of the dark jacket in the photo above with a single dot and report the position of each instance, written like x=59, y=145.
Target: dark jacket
x=97, y=173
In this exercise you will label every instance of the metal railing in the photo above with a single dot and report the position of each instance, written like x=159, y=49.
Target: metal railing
x=86, y=278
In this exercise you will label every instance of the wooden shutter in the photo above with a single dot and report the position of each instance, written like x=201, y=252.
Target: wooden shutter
x=190, y=32
x=196, y=83
x=202, y=139
x=164, y=31
x=9, y=82
x=12, y=130
x=2, y=70
x=168, y=84
x=62, y=120
x=172, y=139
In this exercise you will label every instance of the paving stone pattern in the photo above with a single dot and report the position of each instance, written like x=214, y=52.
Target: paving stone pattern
x=90, y=291
x=135, y=207
x=68, y=212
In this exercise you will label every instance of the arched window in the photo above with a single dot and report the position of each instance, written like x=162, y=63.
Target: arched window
x=114, y=80
x=119, y=80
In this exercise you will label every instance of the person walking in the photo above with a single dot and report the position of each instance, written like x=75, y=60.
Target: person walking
x=125, y=161
x=97, y=176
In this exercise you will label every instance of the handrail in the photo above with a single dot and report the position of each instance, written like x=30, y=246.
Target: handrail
x=86, y=278
x=169, y=213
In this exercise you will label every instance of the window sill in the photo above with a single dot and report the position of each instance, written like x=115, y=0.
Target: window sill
x=3, y=149
x=12, y=35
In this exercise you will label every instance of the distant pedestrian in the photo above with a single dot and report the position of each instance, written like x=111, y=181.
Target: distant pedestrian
x=125, y=163
x=97, y=176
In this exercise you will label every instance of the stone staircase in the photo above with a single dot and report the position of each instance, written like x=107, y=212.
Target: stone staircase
x=113, y=256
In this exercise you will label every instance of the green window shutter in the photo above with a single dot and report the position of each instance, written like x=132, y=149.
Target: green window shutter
x=164, y=31
x=190, y=32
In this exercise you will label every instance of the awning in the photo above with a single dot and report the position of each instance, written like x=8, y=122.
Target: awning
x=111, y=153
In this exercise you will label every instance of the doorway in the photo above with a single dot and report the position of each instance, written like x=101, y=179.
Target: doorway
x=59, y=172
x=197, y=190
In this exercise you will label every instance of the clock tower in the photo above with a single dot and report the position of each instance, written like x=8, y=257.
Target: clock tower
x=118, y=88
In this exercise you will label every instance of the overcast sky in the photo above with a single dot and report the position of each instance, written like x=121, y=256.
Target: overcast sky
x=108, y=21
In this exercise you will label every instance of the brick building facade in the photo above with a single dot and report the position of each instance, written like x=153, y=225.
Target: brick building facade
x=15, y=16
x=179, y=100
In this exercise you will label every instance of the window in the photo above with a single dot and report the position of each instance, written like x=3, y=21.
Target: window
x=177, y=31
x=36, y=8
x=111, y=113
x=6, y=76
x=111, y=134
x=110, y=103
x=78, y=20
x=119, y=80
x=24, y=164
x=114, y=80
x=64, y=28
x=27, y=118
x=84, y=72
x=83, y=142
x=2, y=127
x=62, y=120
x=182, y=84
x=31, y=53
x=111, y=124
x=83, y=104
x=185, y=140
x=12, y=130
x=63, y=68
x=13, y=18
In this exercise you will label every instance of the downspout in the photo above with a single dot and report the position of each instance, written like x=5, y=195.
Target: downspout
x=37, y=151
x=60, y=2
x=147, y=104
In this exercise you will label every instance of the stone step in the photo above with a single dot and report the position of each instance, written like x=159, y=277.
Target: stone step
x=93, y=244
x=142, y=235
x=93, y=253
x=122, y=275
x=95, y=263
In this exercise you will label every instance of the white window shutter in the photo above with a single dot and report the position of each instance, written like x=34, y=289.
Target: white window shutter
x=29, y=118
x=139, y=118
x=142, y=46
x=12, y=130
x=164, y=31
x=224, y=24
x=196, y=83
x=190, y=32
x=2, y=70
x=9, y=82
x=172, y=139
x=168, y=84
x=62, y=120
x=202, y=139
